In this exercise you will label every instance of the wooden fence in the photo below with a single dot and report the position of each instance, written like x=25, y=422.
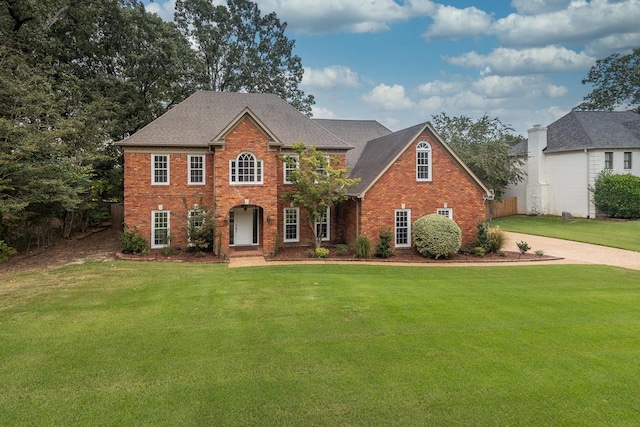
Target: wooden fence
x=505, y=207
x=117, y=215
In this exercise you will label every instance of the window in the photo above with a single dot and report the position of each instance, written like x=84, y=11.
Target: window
x=159, y=229
x=608, y=160
x=446, y=212
x=245, y=169
x=322, y=226
x=423, y=161
x=196, y=221
x=291, y=224
x=403, y=228
x=627, y=160
x=291, y=163
x=160, y=169
x=196, y=169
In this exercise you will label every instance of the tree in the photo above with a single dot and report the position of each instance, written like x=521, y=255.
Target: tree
x=242, y=50
x=484, y=145
x=616, y=82
x=319, y=183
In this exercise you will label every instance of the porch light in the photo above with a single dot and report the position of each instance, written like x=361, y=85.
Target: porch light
x=268, y=219
x=226, y=220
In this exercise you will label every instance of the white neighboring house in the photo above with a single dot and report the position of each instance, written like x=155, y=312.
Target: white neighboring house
x=565, y=158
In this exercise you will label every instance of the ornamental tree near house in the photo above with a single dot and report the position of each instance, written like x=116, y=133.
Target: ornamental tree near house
x=319, y=181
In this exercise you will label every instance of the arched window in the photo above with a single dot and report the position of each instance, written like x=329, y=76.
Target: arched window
x=245, y=169
x=423, y=161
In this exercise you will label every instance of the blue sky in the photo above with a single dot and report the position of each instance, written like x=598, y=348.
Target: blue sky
x=402, y=61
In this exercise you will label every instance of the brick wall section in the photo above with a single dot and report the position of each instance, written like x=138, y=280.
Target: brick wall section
x=141, y=198
x=398, y=186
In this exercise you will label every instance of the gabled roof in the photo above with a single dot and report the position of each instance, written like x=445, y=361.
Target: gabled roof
x=379, y=154
x=355, y=133
x=203, y=119
x=580, y=130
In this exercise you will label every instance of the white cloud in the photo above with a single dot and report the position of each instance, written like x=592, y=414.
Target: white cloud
x=506, y=61
x=579, y=22
x=451, y=23
x=164, y=9
x=613, y=43
x=388, y=97
x=534, y=7
x=439, y=87
x=330, y=77
x=355, y=16
x=517, y=86
x=322, y=113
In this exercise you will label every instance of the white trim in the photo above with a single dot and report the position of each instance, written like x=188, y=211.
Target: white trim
x=297, y=224
x=153, y=229
x=258, y=171
x=153, y=169
x=328, y=222
x=190, y=213
x=204, y=168
x=424, y=147
x=395, y=228
x=285, y=167
x=445, y=212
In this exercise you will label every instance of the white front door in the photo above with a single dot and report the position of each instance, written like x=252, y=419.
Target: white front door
x=243, y=227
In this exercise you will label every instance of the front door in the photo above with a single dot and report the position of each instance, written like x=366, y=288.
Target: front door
x=244, y=232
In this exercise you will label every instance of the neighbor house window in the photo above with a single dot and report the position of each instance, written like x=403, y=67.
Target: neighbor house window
x=245, y=169
x=291, y=224
x=403, y=228
x=160, y=169
x=159, y=229
x=627, y=160
x=446, y=212
x=196, y=169
x=608, y=160
x=423, y=161
x=196, y=221
x=322, y=226
x=291, y=163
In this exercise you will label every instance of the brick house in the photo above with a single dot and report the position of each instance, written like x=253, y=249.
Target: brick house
x=223, y=149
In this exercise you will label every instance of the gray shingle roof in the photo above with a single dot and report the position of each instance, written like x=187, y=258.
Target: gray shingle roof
x=354, y=132
x=199, y=121
x=594, y=129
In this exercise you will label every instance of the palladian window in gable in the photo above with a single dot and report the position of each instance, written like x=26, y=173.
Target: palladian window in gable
x=423, y=161
x=245, y=169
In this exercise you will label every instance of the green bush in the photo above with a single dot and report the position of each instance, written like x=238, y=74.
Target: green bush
x=363, y=247
x=342, y=249
x=132, y=241
x=383, y=248
x=496, y=239
x=436, y=236
x=322, y=252
x=6, y=251
x=617, y=195
x=479, y=252
x=482, y=236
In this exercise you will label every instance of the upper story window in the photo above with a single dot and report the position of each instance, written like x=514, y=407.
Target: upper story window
x=291, y=163
x=196, y=169
x=446, y=212
x=423, y=161
x=245, y=169
x=627, y=160
x=608, y=159
x=160, y=169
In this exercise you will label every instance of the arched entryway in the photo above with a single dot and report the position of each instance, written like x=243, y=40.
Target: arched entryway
x=245, y=226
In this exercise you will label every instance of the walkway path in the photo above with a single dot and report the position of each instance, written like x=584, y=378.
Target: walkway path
x=570, y=252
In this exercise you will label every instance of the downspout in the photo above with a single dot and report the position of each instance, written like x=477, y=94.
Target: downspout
x=586, y=151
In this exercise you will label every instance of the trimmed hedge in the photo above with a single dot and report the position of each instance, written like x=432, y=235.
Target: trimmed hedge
x=617, y=195
x=436, y=236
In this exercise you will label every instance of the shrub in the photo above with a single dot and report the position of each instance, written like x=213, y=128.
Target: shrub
x=617, y=195
x=6, y=251
x=170, y=250
x=322, y=252
x=523, y=247
x=383, y=248
x=435, y=236
x=479, y=252
x=363, y=247
x=132, y=241
x=342, y=249
x=496, y=239
x=482, y=236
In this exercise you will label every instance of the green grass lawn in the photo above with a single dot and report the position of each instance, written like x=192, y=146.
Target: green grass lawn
x=617, y=234
x=131, y=343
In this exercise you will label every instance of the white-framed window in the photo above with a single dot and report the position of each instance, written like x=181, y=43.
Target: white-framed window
x=196, y=220
x=608, y=159
x=446, y=212
x=196, y=169
x=627, y=160
x=291, y=224
x=402, y=228
x=291, y=163
x=322, y=227
x=423, y=161
x=245, y=169
x=160, y=169
x=160, y=227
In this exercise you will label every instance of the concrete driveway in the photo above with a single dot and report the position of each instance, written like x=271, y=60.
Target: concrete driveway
x=575, y=252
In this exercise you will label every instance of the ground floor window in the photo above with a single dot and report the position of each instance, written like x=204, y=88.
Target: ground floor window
x=196, y=221
x=403, y=228
x=322, y=226
x=446, y=212
x=159, y=229
x=291, y=224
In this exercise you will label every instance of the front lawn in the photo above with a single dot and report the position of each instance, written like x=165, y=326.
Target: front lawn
x=131, y=343
x=616, y=234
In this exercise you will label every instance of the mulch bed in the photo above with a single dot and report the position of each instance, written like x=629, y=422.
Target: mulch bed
x=181, y=256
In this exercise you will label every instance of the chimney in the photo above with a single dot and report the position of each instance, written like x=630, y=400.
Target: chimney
x=536, y=171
